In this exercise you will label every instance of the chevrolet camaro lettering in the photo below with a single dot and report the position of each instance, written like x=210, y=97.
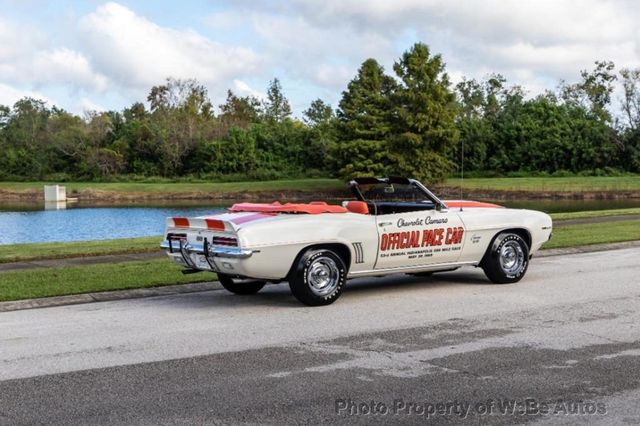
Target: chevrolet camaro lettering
x=393, y=225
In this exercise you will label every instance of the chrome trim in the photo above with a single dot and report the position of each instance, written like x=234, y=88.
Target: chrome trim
x=437, y=201
x=185, y=254
x=229, y=252
x=407, y=269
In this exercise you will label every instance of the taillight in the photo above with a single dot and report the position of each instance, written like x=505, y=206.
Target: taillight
x=180, y=222
x=215, y=224
x=224, y=241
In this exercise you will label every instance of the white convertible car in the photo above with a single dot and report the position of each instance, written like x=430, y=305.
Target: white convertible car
x=395, y=225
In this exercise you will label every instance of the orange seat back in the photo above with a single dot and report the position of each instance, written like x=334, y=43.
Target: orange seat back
x=357, y=207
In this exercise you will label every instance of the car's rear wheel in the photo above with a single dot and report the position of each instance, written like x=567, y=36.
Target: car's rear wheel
x=241, y=287
x=507, y=259
x=318, y=277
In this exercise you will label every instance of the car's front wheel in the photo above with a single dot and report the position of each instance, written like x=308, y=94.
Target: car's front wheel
x=507, y=259
x=318, y=277
x=241, y=287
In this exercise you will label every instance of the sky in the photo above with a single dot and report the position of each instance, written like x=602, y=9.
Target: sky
x=97, y=55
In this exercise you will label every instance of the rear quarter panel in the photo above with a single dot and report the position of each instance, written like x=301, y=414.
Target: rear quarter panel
x=278, y=242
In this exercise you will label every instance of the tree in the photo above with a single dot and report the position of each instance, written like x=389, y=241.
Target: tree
x=318, y=113
x=594, y=91
x=187, y=95
x=68, y=143
x=363, y=123
x=631, y=99
x=472, y=125
x=363, y=109
x=276, y=107
x=423, y=116
x=5, y=115
x=26, y=132
x=321, y=136
x=181, y=116
x=631, y=110
x=237, y=112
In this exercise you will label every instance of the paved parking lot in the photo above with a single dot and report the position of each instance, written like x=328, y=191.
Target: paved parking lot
x=562, y=346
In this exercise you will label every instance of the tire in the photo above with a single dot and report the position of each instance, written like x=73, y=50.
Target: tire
x=318, y=277
x=507, y=259
x=241, y=288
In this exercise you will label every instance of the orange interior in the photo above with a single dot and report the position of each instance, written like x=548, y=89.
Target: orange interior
x=358, y=207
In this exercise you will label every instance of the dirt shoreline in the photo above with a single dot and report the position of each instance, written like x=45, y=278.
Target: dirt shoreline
x=91, y=195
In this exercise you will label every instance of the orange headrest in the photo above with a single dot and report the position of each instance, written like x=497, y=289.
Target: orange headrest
x=357, y=207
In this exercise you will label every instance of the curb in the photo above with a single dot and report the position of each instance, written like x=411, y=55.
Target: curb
x=587, y=249
x=79, y=261
x=105, y=296
x=138, y=293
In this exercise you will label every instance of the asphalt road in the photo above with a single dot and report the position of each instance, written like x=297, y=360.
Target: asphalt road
x=563, y=345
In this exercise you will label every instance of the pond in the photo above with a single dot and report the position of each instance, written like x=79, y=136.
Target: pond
x=81, y=223
x=30, y=223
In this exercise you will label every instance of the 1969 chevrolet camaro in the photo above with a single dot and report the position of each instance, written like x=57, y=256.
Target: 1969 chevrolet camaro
x=394, y=225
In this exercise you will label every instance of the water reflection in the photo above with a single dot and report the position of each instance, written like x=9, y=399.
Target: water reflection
x=37, y=222
x=55, y=205
x=90, y=223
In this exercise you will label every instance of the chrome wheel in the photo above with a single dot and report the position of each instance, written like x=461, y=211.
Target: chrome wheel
x=318, y=277
x=323, y=276
x=512, y=258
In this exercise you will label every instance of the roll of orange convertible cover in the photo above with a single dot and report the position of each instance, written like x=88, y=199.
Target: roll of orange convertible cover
x=315, y=207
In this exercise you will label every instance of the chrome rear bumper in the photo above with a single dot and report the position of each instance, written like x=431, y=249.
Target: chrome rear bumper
x=215, y=251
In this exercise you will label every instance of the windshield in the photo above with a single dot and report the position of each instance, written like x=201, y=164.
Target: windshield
x=393, y=192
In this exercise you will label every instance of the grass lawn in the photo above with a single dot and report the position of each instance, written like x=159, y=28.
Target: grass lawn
x=39, y=251
x=553, y=184
x=594, y=213
x=173, y=187
x=540, y=184
x=587, y=234
x=84, y=279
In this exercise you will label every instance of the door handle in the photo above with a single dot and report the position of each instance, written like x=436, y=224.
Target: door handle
x=385, y=223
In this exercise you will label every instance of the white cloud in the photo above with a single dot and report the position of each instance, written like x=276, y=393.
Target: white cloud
x=27, y=59
x=63, y=65
x=311, y=60
x=544, y=41
x=241, y=88
x=114, y=54
x=15, y=40
x=9, y=95
x=333, y=76
x=87, y=105
x=136, y=52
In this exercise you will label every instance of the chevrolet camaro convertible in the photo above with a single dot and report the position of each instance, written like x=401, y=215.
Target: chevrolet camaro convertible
x=394, y=225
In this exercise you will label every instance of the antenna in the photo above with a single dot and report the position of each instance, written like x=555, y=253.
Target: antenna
x=461, y=168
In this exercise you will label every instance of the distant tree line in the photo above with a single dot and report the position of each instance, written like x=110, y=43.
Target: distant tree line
x=413, y=123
